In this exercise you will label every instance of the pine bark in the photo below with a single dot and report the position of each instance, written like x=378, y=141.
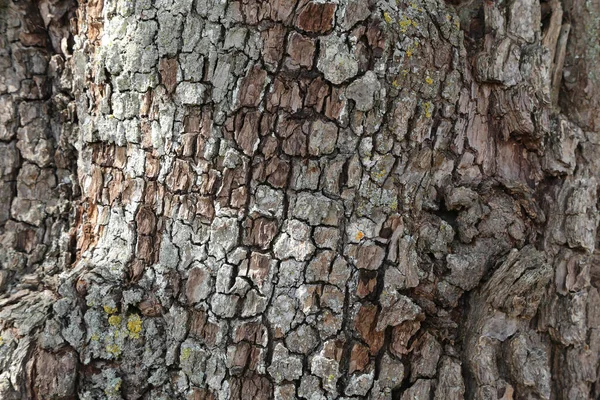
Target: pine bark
x=282, y=199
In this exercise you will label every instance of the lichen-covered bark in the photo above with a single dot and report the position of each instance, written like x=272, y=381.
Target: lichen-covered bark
x=299, y=199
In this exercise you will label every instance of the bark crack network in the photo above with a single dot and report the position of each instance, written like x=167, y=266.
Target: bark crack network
x=314, y=199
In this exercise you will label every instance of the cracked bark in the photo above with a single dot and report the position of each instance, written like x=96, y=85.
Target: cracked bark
x=285, y=199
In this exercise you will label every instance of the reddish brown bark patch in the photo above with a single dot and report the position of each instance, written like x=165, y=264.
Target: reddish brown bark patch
x=294, y=143
x=181, y=177
x=239, y=357
x=359, y=358
x=28, y=39
x=369, y=257
x=251, y=331
x=251, y=386
x=401, y=335
x=277, y=172
x=261, y=232
x=150, y=307
x=366, y=284
x=301, y=50
x=252, y=87
x=316, y=17
x=365, y=323
x=168, y=73
x=201, y=328
x=273, y=45
x=205, y=209
x=145, y=248
x=259, y=268
x=201, y=394
x=146, y=221
x=55, y=375
x=198, y=286
x=247, y=136
x=317, y=92
x=335, y=104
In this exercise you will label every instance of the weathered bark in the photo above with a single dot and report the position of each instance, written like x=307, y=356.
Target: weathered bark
x=299, y=199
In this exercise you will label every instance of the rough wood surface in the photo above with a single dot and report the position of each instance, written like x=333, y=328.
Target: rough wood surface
x=281, y=199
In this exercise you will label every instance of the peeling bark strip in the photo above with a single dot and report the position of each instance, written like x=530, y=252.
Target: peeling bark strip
x=305, y=199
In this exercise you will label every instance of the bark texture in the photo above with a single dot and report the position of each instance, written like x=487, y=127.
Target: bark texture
x=282, y=199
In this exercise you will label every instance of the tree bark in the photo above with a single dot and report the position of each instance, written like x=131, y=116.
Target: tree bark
x=283, y=199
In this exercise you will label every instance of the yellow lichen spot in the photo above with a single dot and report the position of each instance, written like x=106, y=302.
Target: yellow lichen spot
x=359, y=235
x=113, y=349
x=186, y=353
x=110, y=310
x=428, y=107
x=134, y=325
x=404, y=24
x=115, y=389
x=95, y=338
x=409, y=52
x=387, y=18
x=395, y=83
x=448, y=17
x=379, y=174
x=1, y=341
x=331, y=377
x=115, y=320
x=429, y=80
x=457, y=24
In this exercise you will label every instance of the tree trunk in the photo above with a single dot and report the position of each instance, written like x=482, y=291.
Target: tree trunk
x=281, y=199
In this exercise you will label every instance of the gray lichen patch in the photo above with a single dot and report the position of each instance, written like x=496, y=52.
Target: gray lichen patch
x=335, y=61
